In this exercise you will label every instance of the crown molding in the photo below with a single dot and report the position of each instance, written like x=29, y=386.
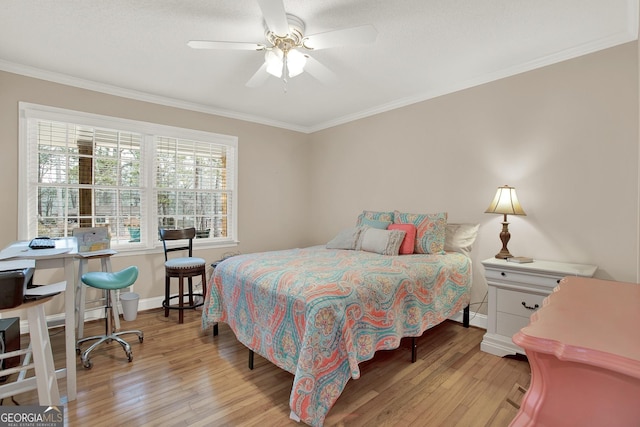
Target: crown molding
x=551, y=59
x=77, y=82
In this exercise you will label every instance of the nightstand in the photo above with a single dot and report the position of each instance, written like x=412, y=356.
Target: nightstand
x=515, y=291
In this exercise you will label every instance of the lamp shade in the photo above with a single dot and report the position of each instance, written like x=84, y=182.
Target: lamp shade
x=505, y=202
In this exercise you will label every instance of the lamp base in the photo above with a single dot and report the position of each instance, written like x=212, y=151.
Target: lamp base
x=503, y=255
x=505, y=236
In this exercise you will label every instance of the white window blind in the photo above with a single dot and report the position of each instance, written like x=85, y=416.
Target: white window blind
x=192, y=186
x=83, y=170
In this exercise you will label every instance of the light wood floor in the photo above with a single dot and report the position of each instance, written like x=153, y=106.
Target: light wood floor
x=183, y=376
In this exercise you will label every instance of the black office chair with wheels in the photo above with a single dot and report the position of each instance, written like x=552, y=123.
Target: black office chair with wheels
x=182, y=267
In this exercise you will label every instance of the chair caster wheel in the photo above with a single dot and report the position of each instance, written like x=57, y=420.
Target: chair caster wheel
x=78, y=351
x=87, y=364
x=130, y=357
x=140, y=339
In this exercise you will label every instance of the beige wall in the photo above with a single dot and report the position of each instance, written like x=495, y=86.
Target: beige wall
x=272, y=180
x=566, y=136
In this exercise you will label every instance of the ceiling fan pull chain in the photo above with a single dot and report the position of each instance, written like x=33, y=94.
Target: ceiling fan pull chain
x=285, y=70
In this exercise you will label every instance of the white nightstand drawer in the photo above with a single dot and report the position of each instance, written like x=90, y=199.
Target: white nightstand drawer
x=512, y=302
x=509, y=324
x=548, y=281
x=509, y=285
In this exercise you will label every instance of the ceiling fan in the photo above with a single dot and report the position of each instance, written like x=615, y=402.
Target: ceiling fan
x=286, y=46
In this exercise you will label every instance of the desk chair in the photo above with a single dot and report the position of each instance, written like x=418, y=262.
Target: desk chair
x=182, y=267
x=108, y=282
x=93, y=243
x=45, y=380
x=83, y=267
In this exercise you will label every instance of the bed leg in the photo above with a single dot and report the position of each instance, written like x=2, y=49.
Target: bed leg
x=250, y=359
x=465, y=317
x=414, y=349
x=215, y=329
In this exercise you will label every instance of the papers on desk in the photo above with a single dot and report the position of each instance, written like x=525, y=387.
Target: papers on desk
x=44, y=291
x=17, y=264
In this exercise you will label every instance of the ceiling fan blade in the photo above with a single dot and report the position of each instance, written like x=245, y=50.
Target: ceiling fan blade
x=275, y=16
x=347, y=36
x=319, y=71
x=208, y=44
x=259, y=77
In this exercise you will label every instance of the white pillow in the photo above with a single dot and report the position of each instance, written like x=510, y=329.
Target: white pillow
x=460, y=237
x=384, y=242
x=346, y=239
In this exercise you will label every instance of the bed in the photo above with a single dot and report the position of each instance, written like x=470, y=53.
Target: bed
x=317, y=312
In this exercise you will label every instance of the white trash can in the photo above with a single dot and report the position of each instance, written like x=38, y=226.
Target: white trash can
x=129, y=301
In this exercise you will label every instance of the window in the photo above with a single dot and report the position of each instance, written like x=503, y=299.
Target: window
x=84, y=170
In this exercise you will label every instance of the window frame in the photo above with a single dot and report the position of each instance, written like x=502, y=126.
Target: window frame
x=149, y=240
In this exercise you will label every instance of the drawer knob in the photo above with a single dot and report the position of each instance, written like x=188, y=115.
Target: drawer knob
x=528, y=307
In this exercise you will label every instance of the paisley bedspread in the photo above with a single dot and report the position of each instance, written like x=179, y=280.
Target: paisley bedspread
x=318, y=312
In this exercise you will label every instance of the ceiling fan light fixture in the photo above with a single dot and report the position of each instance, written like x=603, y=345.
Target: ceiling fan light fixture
x=276, y=60
x=295, y=62
x=286, y=45
x=273, y=58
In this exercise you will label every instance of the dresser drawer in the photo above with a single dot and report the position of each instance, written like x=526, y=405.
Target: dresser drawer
x=509, y=324
x=547, y=280
x=512, y=302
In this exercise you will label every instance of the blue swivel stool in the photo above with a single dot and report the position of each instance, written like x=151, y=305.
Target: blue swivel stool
x=109, y=282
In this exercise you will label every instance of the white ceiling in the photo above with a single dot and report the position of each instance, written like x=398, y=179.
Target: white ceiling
x=424, y=48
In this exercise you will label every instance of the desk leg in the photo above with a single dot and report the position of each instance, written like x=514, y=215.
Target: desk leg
x=70, y=327
x=48, y=393
x=80, y=297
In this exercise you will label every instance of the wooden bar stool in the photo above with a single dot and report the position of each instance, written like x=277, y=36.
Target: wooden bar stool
x=40, y=350
x=182, y=267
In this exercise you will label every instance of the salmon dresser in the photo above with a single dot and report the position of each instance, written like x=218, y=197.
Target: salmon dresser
x=583, y=346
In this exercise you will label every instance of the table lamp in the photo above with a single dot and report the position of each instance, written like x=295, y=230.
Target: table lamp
x=505, y=202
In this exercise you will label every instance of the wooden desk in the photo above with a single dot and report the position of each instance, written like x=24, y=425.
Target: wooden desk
x=61, y=257
x=583, y=346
